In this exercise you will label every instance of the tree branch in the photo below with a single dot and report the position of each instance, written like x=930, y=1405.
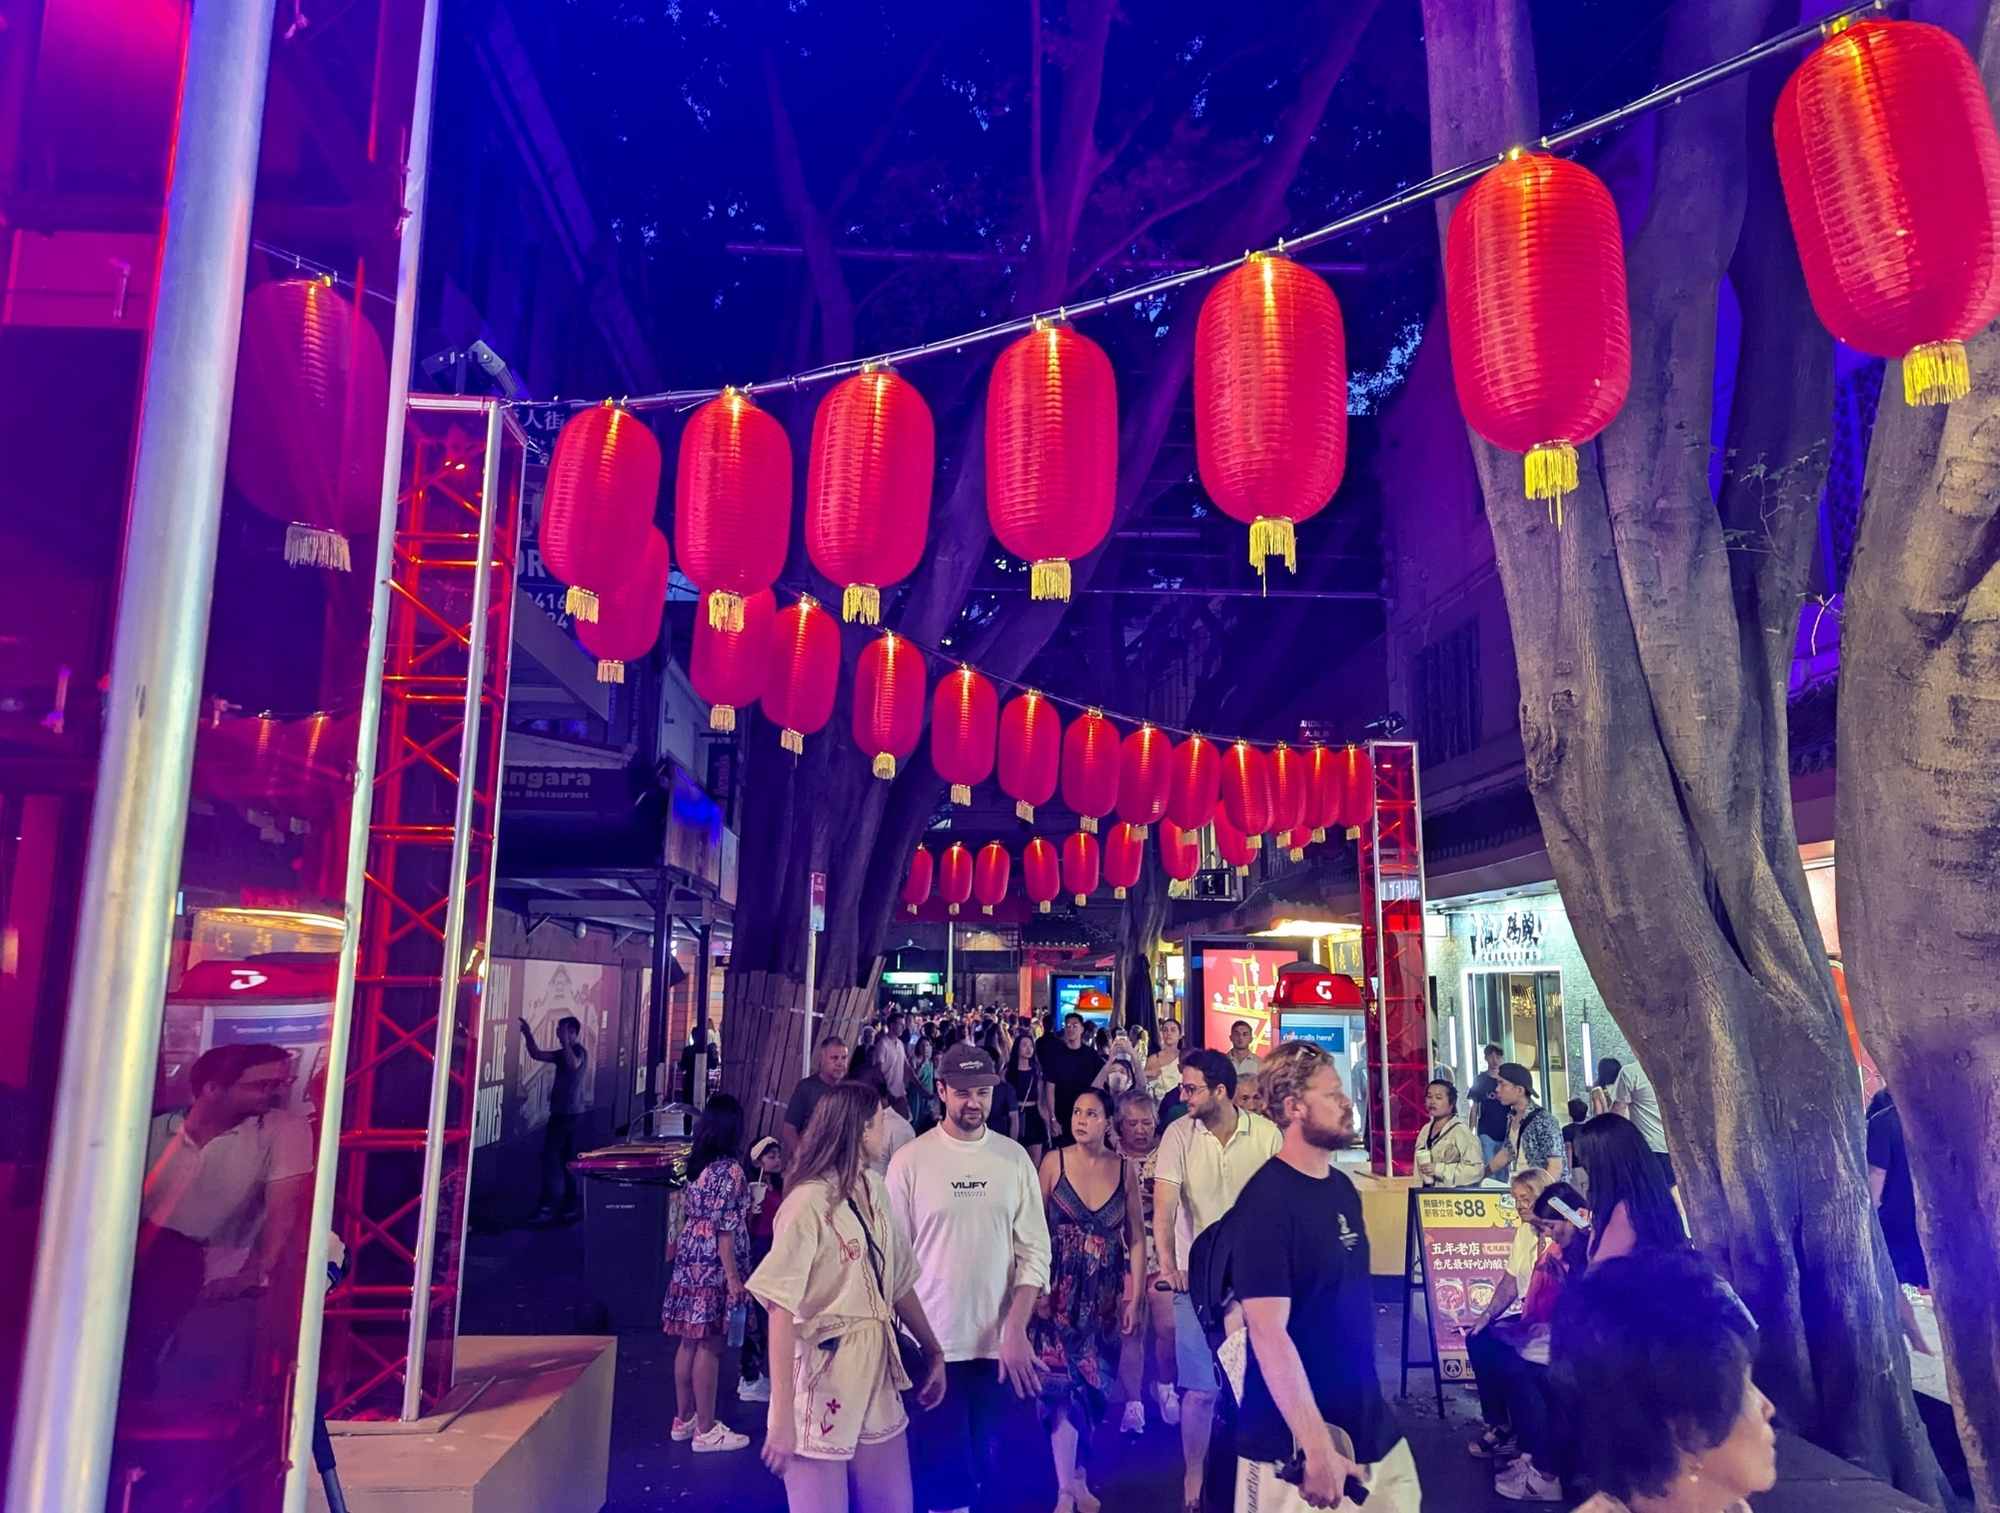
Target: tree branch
x=1037, y=181
x=871, y=154
x=836, y=304
x=1166, y=212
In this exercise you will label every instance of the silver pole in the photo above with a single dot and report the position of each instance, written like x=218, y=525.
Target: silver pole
x=812, y=964
x=312, y=1315
x=452, y=972
x=111, y=1038
x=950, y=944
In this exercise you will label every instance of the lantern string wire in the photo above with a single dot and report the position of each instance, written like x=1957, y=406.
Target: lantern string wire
x=1435, y=187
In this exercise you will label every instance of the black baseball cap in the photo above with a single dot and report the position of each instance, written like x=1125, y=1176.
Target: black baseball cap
x=1520, y=1076
x=967, y=1068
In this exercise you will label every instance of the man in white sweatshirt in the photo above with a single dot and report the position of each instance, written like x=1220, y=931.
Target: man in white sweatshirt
x=971, y=1204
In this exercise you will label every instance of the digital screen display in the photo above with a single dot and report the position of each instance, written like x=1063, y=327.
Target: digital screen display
x=1064, y=991
x=1327, y=1031
x=1239, y=982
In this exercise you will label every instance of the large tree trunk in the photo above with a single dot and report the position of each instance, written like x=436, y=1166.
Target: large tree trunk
x=1652, y=635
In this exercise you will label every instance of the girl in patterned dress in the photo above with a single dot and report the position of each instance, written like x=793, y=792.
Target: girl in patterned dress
x=708, y=1273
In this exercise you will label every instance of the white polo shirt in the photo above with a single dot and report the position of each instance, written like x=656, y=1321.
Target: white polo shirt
x=1209, y=1172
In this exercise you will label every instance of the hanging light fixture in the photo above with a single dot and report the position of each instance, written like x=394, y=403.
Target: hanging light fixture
x=1194, y=785
x=728, y=668
x=1180, y=857
x=917, y=885
x=868, y=487
x=954, y=877
x=1124, y=857
x=627, y=626
x=805, y=671
x=1030, y=752
x=1051, y=452
x=1082, y=865
x=1891, y=169
x=965, y=719
x=1144, y=777
x=1090, y=763
x=1541, y=340
x=889, y=701
x=991, y=870
x=1270, y=400
x=1291, y=780
x=1041, y=872
x=1246, y=791
x=732, y=502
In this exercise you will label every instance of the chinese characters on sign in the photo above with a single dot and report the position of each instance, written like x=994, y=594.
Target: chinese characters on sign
x=1506, y=938
x=1467, y=1237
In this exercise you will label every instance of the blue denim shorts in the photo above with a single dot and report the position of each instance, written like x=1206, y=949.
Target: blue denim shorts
x=1194, y=1361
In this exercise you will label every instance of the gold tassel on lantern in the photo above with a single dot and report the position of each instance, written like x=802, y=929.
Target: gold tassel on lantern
x=1082, y=899
x=722, y=717
x=1043, y=907
x=986, y=908
x=885, y=764
x=1319, y=834
x=1936, y=373
x=1551, y=473
x=1117, y=892
x=861, y=603
x=725, y=611
x=1254, y=842
x=1242, y=871
x=1180, y=887
x=1297, y=853
x=1049, y=579
x=1273, y=536
x=1087, y=824
x=792, y=741
x=581, y=604
x=1024, y=810
x=610, y=672
x=309, y=546
x=961, y=793
x=954, y=911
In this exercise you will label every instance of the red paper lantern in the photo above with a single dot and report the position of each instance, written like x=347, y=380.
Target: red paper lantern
x=1090, y=768
x=1323, y=791
x=1124, y=857
x=1051, y=452
x=1270, y=400
x=1357, y=787
x=1194, y=784
x=868, y=488
x=954, y=878
x=728, y=667
x=732, y=502
x=602, y=490
x=1541, y=339
x=805, y=671
x=1891, y=168
x=1041, y=872
x=1291, y=782
x=1145, y=773
x=990, y=872
x=1180, y=856
x=889, y=701
x=627, y=626
x=1232, y=844
x=917, y=886
x=965, y=719
x=1082, y=864
x=311, y=418
x=1030, y=751
x=1246, y=791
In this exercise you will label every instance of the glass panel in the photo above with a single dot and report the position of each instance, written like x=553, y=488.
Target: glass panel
x=1523, y=1021
x=1555, y=1038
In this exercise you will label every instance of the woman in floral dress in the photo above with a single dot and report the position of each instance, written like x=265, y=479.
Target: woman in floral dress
x=708, y=1271
x=1098, y=1253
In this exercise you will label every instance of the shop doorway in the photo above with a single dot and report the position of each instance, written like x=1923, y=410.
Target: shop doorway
x=1522, y=1013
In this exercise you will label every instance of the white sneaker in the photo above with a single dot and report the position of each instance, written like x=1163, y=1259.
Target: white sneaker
x=1521, y=1482
x=1135, y=1418
x=720, y=1437
x=1170, y=1403
x=683, y=1430
x=756, y=1390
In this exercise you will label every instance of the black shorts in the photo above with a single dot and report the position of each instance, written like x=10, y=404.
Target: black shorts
x=1666, y=1166
x=951, y=1445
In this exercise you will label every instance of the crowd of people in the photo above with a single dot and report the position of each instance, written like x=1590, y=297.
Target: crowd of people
x=960, y=1218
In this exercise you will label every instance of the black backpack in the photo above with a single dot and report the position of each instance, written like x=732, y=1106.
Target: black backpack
x=1211, y=1261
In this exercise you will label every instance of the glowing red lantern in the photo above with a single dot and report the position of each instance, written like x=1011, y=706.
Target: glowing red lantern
x=1891, y=168
x=1270, y=400
x=1357, y=787
x=990, y=873
x=1194, y=785
x=627, y=626
x=1090, y=763
x=1180, y=856
x=1323, y=790
x=1246, y=791
x=1232, y=844
x=1030, y=751
x=1541, y=339
x=1145, y=772
x=868, y=488
x=311, y=419
x=805, y=672
x=1082, y=864
x=965, y=719
x=1051, y=452
x=954, y=877
x=889, y=701
x=728, y=667
x=1124, y=857
x=732, y=502
x=917, y=886
x=1290, y=790
x=1041, y=872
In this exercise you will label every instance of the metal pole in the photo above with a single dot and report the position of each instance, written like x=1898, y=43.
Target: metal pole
x=78, y=1306
x=452, y=972
x=950, y=944
x=812, y=972
x=312, y=1316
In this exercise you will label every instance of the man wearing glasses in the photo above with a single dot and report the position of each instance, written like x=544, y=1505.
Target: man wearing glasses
x=1205, y=1161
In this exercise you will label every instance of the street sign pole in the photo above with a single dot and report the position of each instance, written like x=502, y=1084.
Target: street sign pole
x=815, y=922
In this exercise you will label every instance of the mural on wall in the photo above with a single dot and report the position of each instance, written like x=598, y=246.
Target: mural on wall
x=1238, y=982
x=549, y=991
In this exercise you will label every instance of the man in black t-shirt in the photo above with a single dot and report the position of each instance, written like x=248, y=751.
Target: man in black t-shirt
x=1309, y=1308
x=829, y=1067
x=1490, y=1116
x=1068, y=1067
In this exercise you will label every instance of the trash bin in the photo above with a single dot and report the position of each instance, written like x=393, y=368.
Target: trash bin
x=628, y=1197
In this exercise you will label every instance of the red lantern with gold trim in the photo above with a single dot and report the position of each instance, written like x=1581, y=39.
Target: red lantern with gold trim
x=1180, y=857
x=991, y=871
x=1041, y=872
x=1290, y=784
x=1232, y=844
x=805, y=672
x=1270, y=400
x=1082, y=865
x=1357, y=787
x=311, y=419
x=965, y=720
x=1541, y=336
x=1246, y=791
x=728, y=668
x=1194, y=784
x=1030, y=751
x=1051, y=452
x=1124, y=857
x=1323, y=790
x=732, y=502
x=868, y=488
x=917, y=885
x=1090, y=764
x=954, y=879
x=1145, y=774
x=627, y=626
x=1891, y=169
x=889, y=701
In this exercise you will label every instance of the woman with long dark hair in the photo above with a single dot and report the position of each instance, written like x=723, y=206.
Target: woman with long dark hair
x=707, y=1276
x=1024, y=1077
x=836, y=1419
x=1634, y=1207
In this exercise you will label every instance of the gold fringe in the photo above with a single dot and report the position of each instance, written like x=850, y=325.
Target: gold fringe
x=309, y=546
x=725, y=611
x=1936, y=373
x=792, y=741
x=961, y=793
x=1139, y=832
x=610, y=672
x=1082, y=899
x=1273, y=536
x=1297, y=853
x=885, y=764
x=1087, y=824
x=581, y=604
x=1043, y=907
x=722, y=717
x=986, y=908
x=1255, y=842
x=1117, y=892
x=1354, y=832
x=1023, y=810
x=1179, y=887
x=1242, y=871
x=861, y=603
x=953, y=911
x=1319, y=834
x=1049, y=579
x=1550, y=473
